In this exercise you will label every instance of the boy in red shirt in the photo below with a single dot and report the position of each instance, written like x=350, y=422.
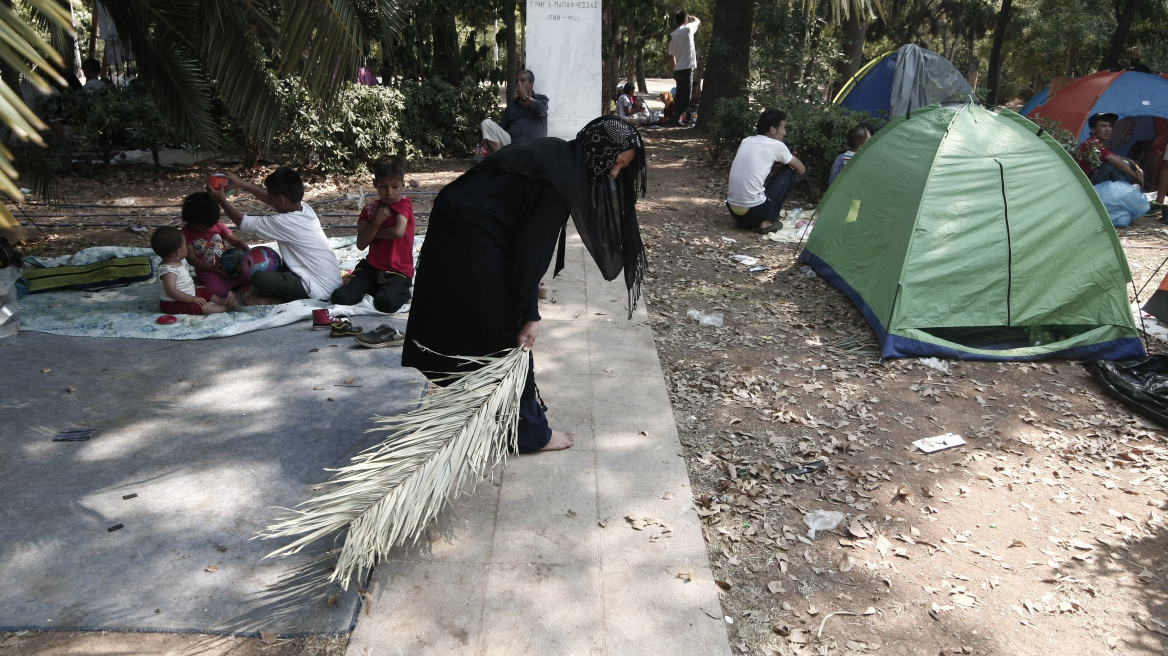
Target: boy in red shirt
x=386, y=228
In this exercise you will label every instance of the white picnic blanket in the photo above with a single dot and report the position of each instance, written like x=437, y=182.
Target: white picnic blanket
x=132, y=311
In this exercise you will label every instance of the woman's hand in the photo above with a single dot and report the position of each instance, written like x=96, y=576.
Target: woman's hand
x=527, y=335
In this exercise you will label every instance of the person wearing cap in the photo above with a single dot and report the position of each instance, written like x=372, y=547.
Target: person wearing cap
x=1100, y=164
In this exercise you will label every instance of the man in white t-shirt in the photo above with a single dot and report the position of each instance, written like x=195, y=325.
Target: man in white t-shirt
x=313, y=270
x=685, y=60
x=753, y=200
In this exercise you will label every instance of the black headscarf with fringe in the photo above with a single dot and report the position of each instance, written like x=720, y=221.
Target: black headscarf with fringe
x=604, y=209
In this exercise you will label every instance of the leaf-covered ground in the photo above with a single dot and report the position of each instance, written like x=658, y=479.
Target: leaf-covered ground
x=1043, y=534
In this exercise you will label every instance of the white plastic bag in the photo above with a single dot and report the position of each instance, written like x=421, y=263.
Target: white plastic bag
x=1124, y=202
x=711, y=319
x=822, y=520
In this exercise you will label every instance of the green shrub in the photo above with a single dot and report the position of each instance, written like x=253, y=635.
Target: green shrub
x=439, y=118
x=112, y=116
x=734, y=120
x=361, y=125
x=417, y=118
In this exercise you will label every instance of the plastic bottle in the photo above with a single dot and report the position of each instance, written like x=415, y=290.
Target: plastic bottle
x=9, y=305
x=793, y=216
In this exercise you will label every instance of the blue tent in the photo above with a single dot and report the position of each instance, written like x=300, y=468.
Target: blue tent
x=1037, y=101
x=899, y=82
x=868, y=90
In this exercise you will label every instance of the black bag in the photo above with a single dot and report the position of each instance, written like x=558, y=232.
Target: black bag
x=1141, y=384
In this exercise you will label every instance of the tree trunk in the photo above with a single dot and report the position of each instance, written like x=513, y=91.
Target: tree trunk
x=93, y=30
x=512, y=48
x=610, y=69
x=447, y=56
x=995, y=72
x=642, y=85
x=1124, y=15
x=855, y=30
x=728, y=61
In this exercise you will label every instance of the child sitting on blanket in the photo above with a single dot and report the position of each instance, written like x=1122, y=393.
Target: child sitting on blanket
x=386, y=228
x=207, y=240
x=177, y=292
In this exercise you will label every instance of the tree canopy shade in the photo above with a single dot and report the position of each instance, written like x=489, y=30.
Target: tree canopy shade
x=189, y=51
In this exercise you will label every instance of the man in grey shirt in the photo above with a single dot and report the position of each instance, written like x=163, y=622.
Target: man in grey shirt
x=524, y=118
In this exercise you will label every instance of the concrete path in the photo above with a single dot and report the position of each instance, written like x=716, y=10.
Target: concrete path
x=546, y=560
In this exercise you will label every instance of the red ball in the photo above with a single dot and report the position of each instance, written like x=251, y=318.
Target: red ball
x=218, y=181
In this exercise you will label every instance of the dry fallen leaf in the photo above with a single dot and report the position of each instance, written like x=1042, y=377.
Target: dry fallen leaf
x=857, y=530
x=775, y=587
x=723, y=585
x=70, y=389
x=349, y=381
x=45, y=370
x=318, y=388
x=688, y=576
x=1016, y=543
x=883, y=545
x=812, y=611
x=332, y=602
x=212, y=568
x=267, y=637
x=844, y=564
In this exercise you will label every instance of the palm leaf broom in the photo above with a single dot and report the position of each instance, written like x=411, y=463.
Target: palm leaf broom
x=391, y=491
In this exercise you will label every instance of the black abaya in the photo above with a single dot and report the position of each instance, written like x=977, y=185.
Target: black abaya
x=490, y=240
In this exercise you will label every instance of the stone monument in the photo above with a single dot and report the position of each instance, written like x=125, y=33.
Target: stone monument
x=563, y=51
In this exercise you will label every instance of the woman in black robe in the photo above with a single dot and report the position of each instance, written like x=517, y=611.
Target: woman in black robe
x=491, y=237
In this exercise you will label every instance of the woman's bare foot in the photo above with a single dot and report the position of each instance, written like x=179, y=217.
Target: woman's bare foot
x=560, y=440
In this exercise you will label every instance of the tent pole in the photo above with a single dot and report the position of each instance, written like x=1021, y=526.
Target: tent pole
x=1143, y=324
x=1144, y=327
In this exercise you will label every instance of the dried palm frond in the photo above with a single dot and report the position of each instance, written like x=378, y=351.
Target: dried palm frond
x=392, y=490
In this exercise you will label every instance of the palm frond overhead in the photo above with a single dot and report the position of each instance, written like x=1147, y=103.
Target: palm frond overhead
x=23, y=50
x=391, y=491
x=188, y=49
x=331, y=38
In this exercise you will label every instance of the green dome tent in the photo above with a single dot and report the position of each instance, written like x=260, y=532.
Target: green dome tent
x=966, y=233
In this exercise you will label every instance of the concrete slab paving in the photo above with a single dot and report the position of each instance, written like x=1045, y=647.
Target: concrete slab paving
x=545, y=562
x=147, y=526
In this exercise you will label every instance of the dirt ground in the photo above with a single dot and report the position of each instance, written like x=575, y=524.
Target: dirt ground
x=1043, y=534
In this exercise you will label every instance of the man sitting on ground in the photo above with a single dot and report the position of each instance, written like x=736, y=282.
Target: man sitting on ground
x=524, y=118
x=753, y=200
x=314, y=270
x=857, y=137
x=1100, y=164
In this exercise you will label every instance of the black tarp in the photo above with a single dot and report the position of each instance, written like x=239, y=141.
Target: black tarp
x=1141, y=384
